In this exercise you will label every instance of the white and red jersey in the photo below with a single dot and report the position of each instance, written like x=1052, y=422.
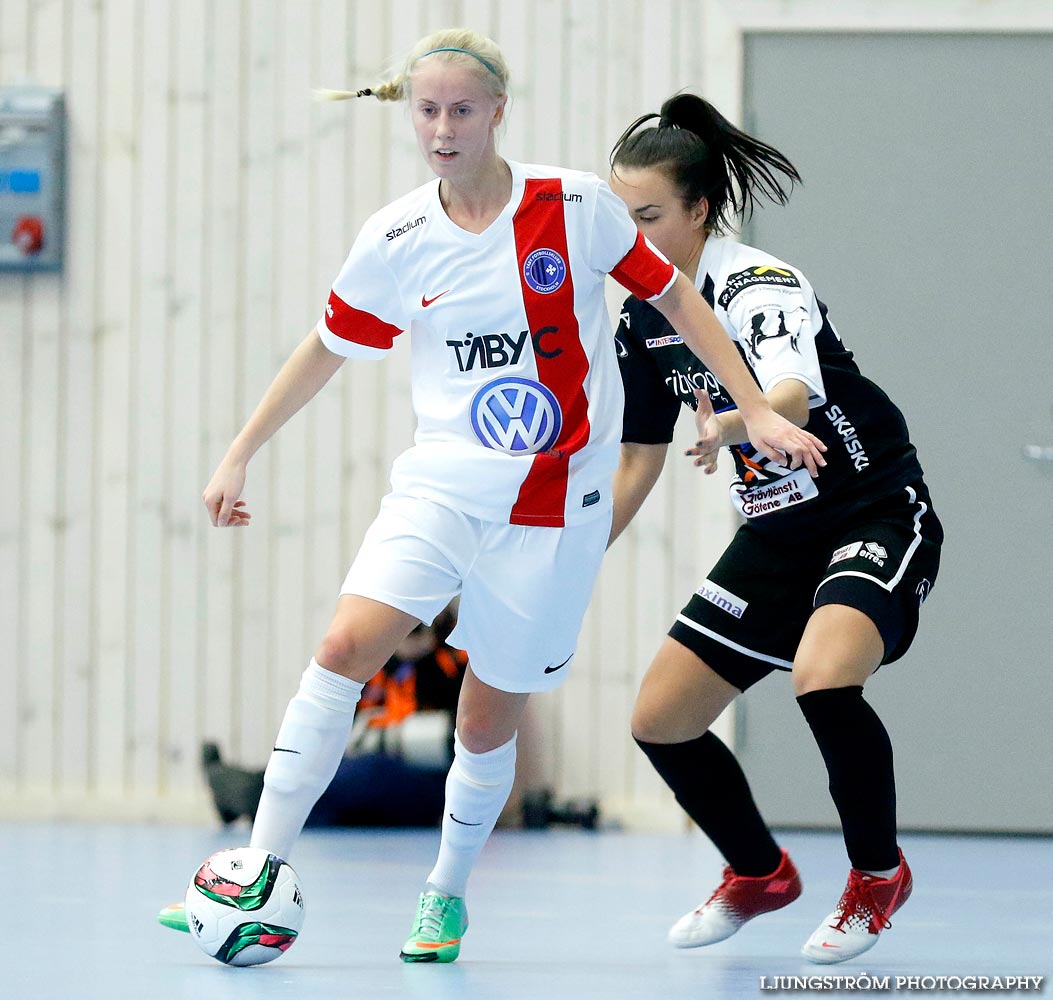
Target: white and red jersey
x=515, y=379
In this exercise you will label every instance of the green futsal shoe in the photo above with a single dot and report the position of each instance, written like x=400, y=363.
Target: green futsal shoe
x=441, y=922
x=174, y=917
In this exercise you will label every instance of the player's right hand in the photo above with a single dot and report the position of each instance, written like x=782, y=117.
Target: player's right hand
x=784, y=442
x=222, y=494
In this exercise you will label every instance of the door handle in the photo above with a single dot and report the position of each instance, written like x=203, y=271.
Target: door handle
x=1038, y=453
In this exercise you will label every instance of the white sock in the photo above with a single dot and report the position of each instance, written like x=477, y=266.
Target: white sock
x=477, y=789
x=886, y=874
x=307, y=752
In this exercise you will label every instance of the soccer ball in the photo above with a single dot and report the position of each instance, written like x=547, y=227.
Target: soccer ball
x=244, y=906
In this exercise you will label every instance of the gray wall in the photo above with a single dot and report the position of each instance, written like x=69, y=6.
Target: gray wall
x=924, y=223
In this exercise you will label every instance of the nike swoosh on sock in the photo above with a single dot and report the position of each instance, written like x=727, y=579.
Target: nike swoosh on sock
x=462, y=822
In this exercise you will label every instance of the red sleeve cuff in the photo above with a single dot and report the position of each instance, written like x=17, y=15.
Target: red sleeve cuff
x=644, y=271
x=358, y=326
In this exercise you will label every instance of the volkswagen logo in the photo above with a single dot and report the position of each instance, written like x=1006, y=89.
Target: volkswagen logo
x=516, y=416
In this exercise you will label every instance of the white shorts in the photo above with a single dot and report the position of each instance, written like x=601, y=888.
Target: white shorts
x=524, y=589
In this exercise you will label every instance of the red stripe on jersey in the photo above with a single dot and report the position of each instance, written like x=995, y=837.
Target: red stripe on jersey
x=539, y=223
x=643, y=270
x=358, y=326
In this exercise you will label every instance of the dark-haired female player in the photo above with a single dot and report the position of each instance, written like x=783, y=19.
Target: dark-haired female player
x=824, y=577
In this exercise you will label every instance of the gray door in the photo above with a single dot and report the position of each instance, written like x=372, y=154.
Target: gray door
x=925, y=224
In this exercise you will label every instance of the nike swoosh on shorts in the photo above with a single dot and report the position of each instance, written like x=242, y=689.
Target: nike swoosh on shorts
x=552, y=670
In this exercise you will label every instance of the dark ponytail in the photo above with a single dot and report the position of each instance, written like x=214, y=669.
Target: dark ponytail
x=707, y=157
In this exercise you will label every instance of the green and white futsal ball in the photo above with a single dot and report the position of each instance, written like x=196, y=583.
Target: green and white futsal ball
x=244, y=906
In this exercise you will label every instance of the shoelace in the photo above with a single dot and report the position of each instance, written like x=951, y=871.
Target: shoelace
x=432, y=911
x=858, y=899
x=729, y=877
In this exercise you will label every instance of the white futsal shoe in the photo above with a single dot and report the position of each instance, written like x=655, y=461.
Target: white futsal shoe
x=737, y=899
x=862, y=914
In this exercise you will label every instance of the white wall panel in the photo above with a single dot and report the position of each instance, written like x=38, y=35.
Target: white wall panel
x=224, y=682
x=75, y=623
x=182, y=645
x=118, y=288
x=211, y=203
x=15, y=361
x=148, y=320
x=43, y=506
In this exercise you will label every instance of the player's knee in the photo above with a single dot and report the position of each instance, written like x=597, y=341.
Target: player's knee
x=478, y=734
x=340, y=652
x=814, y=675
x=651, y=721
x=805, y=677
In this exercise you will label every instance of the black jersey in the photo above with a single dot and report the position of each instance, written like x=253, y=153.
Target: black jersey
x=782, y=331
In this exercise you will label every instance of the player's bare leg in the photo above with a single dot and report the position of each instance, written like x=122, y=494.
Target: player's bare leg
x=680, y=697
x=362, y=636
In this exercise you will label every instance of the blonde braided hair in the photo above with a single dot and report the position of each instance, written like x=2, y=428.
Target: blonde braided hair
x=457, y=46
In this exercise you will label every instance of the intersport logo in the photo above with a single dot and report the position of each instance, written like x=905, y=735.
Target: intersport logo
x=516, y=416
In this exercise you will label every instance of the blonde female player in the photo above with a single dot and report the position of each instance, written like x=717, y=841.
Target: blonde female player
x=496, y=270
x=824, y=577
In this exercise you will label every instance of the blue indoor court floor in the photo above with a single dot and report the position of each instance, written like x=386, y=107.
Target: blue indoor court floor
x=555, y=915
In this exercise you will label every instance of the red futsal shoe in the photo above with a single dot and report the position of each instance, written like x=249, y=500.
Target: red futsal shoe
x=861, y=915
x=737, y=899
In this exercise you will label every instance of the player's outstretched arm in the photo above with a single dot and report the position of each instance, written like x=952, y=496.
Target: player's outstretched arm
x=639, y=467
x=770, y=433
x=309, y=367
x=788, y=398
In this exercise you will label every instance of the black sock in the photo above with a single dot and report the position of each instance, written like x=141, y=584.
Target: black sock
x=858, y=755
x=710, y=786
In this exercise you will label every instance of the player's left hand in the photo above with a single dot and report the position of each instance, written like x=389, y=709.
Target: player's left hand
x=786, y=443
x=707, y=448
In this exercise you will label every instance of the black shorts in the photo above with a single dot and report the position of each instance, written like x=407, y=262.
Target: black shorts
x=747, y=618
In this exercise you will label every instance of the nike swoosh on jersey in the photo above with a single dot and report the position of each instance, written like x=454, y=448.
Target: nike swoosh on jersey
x=552, y=670
x=425, y=301
x=284, y=750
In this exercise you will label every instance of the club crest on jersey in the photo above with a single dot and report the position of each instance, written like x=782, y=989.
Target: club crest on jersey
x=516, y=416
x=544, y=271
